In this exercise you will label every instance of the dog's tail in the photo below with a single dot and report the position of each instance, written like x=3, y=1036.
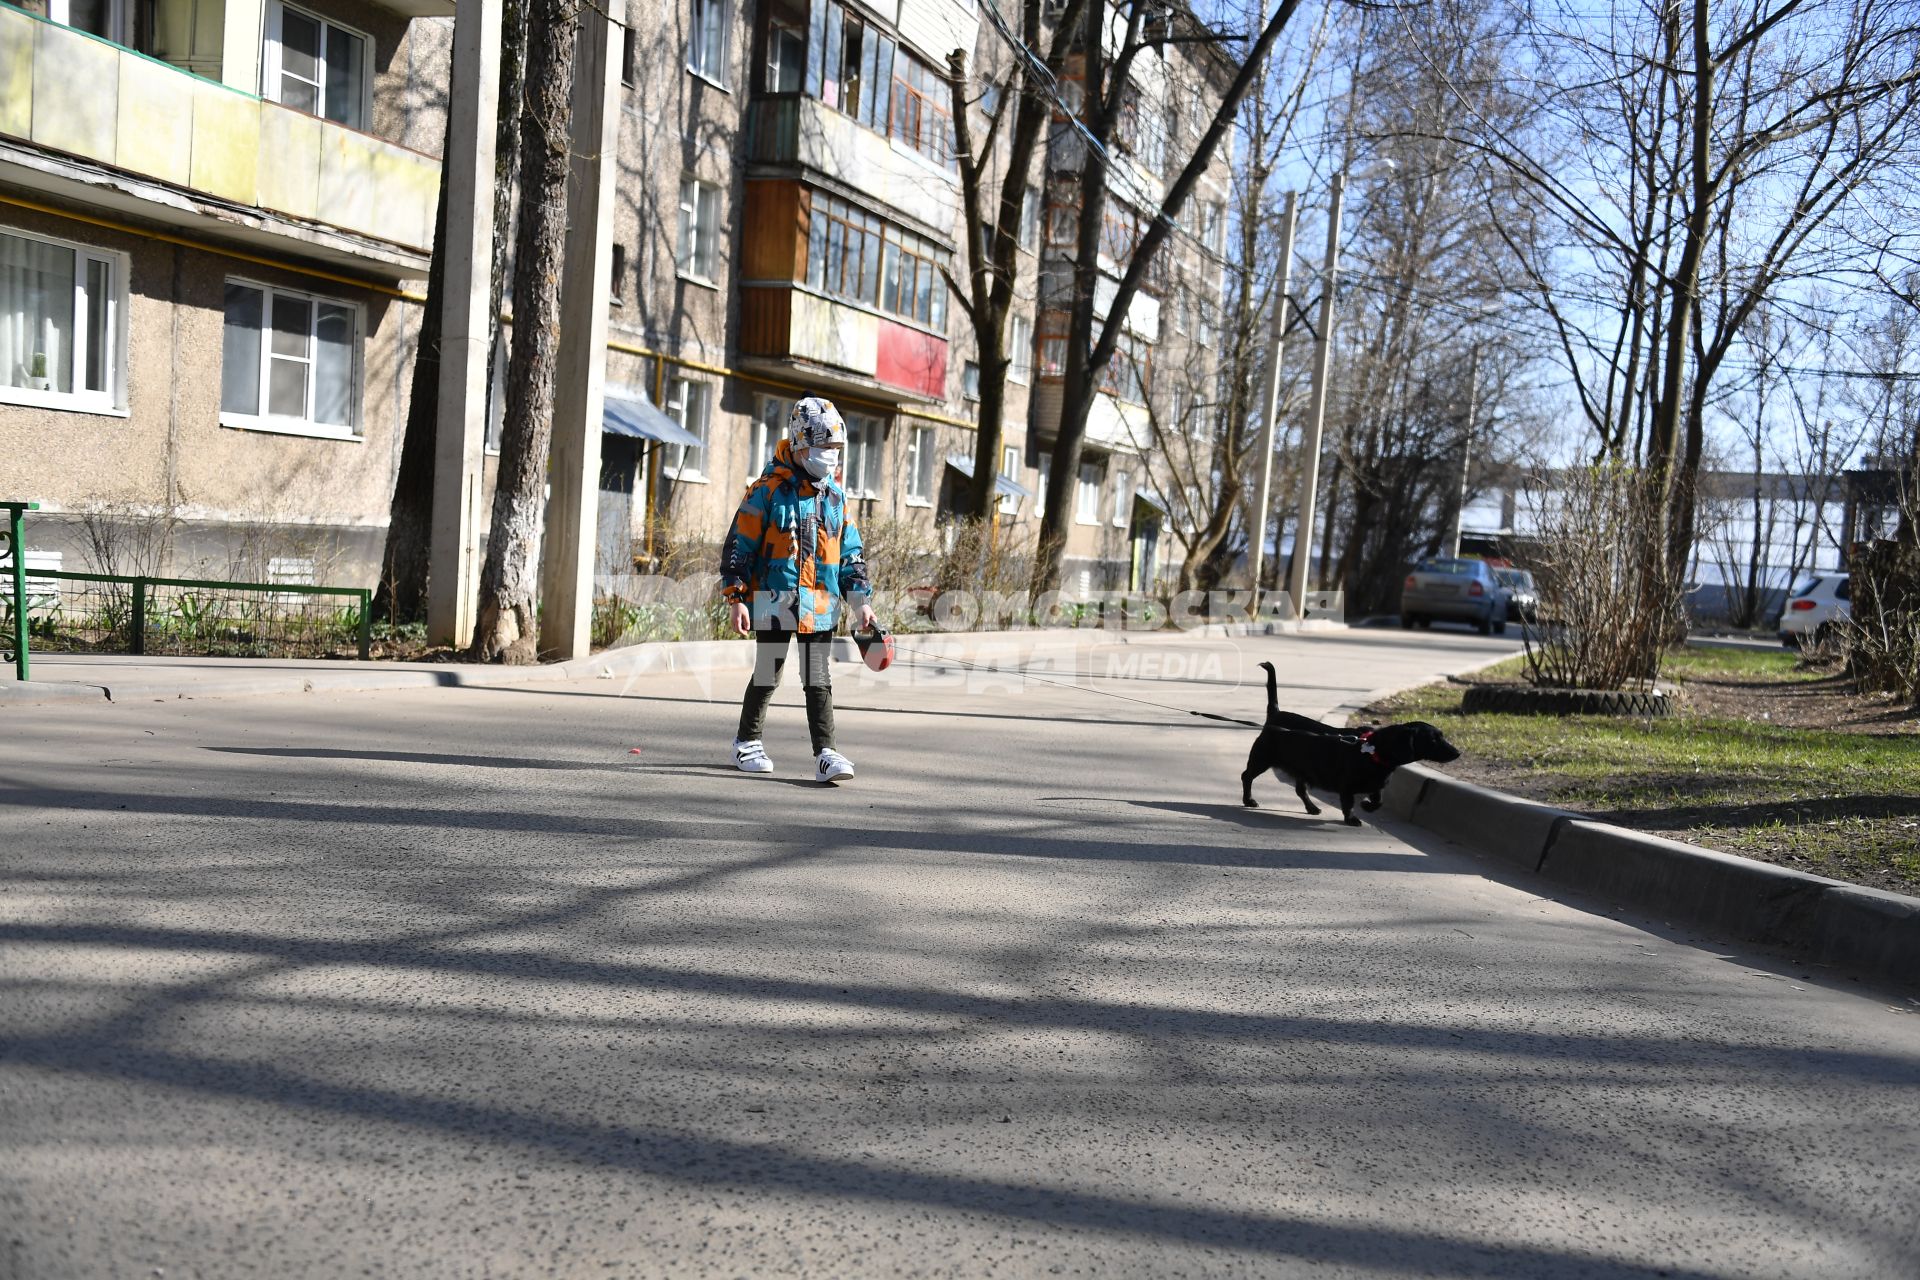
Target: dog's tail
x=1273, y=690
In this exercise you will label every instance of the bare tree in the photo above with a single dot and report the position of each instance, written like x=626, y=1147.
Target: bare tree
x=996, y=177
x=1105, y=84
x=1690, y=163
x=507, y=628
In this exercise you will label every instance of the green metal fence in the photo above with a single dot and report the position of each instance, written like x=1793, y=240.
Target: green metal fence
x=116, y=613
x=13, y=636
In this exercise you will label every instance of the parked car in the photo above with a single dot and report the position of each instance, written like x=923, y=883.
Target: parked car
x=1813, y=610
x=1523, y=597
x=1455, y=590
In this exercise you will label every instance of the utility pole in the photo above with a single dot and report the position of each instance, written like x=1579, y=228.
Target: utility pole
x=1317, y=413
x=1466, y=452
x=1270, y=400
x=453, y=548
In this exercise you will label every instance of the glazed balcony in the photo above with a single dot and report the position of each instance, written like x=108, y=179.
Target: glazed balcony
x=89, y=121
x=801, y=132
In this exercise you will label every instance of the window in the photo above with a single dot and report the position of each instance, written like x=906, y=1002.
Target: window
x=786, y=48
x=860, y=476
x=920, y=466
x=688, y=400
x=922, y=117
x=1139, y=130
x=59, y=324
x=1053, y=357
x=104, y=18
x=769, y=428
x=290, y=362
x=1122, y=500
x=1087, y=500
x=1030, y=220
x=1043, y=465
x=1010, y=468
x=1126, y=375
x=1062, y=225
x=314, y=65
x=843, y=251
x=1120, y=234
x=913, y=285
x=699, y=229
x=1213, y=228
x=707, y=40
x=617, y=292
x=629, y=56
x=970, y=380
x=1020, y=350
x=859, y=68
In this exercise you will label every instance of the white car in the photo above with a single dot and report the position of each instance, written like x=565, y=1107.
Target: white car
x=1811, y=612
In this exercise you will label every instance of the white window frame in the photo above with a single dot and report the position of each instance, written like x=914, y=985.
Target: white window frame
x=861, y=465
x=704, y=59
x=769, y=426
x=279, y=424
x=1122, y=500
x=695, y=234
x=1010, y=468
x=681, y=397
x=270, y=65
x=1086, y=501
x=1020, y=350
x=920, y=453
x=61, y=11
x=112, y=399
x=1032, y=209
x=970, y=380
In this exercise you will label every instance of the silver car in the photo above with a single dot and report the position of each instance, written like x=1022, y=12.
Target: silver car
x=1523, y=597
x=1455, y=590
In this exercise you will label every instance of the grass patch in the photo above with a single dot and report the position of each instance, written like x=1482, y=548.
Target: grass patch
x=1768, y=666
x=1837, y=803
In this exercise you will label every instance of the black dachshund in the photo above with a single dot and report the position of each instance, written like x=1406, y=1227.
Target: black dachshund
x=1351, y=764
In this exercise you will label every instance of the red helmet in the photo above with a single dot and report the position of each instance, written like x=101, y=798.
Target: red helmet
x=876, y=648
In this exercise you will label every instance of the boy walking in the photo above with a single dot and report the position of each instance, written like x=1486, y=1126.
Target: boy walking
x=791, y=556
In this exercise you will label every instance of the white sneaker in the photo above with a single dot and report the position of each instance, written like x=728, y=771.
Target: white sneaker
x=832, y=767
x=751, y=757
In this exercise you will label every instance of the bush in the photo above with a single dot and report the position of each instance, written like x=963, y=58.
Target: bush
x=1883, y=634
x=1606, y=592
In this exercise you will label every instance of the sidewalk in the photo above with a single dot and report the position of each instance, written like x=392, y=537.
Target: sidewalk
x=59, y=677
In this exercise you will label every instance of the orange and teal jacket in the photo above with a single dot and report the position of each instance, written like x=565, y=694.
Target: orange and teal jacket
x=793, y=552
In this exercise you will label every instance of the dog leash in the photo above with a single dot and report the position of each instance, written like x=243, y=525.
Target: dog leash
x=1105, y=693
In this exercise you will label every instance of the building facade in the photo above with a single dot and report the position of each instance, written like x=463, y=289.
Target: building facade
x=210, y=275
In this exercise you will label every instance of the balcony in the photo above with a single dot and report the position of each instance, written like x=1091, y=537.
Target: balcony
x=197, y=154
x=804, y=132
x=860, y=348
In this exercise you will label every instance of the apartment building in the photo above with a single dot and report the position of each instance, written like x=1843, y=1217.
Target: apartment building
x=214, y=224
x=790, y=193
x=210, y=270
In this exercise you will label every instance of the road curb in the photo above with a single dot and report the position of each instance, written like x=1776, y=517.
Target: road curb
x=1867, y=931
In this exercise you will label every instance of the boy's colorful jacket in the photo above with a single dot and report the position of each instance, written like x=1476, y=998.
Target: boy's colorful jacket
x=793, y=551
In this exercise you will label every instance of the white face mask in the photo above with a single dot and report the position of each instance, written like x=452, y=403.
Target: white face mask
x=821, y=463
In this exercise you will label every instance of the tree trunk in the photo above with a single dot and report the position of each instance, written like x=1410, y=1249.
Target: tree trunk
x=508, y=627
x=401, y=594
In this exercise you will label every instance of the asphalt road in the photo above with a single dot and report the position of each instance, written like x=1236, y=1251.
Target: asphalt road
x=453, y=983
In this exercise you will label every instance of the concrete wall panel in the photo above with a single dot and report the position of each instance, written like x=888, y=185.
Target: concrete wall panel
x=76, y=93
x=831, y=333
x=16, y=72
x=155, y=132
x=289, y=164
x=226, y=143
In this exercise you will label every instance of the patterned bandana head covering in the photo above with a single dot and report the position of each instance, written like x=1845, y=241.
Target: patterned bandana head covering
x=816, y=424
